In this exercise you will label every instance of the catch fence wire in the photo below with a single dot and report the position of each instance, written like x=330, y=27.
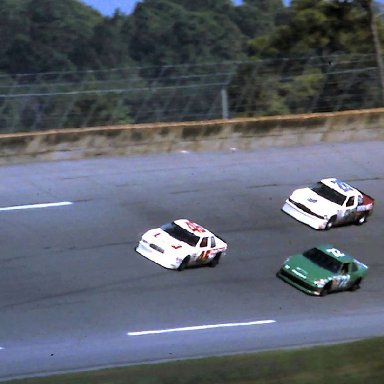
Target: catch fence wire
x=190, y=92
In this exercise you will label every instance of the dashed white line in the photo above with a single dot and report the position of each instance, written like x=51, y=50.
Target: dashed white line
x=200, y=327
x=34, y=206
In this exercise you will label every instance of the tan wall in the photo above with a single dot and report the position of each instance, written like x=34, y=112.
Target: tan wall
x=244, y=134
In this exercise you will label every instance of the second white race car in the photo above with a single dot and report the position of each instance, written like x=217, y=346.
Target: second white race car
x=329, y=202
x=180, y=244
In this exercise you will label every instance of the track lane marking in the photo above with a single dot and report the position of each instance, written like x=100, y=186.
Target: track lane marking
x=35, y=206
x=200, y=327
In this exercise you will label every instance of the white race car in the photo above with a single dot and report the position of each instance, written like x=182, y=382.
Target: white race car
x=180, y=244
x=329, y=202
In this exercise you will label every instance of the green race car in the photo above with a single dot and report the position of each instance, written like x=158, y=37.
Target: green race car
x=323, y=269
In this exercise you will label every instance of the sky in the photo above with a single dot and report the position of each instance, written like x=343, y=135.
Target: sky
x=107, y=7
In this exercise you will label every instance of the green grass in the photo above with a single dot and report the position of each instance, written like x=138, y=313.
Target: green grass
x=353, y=363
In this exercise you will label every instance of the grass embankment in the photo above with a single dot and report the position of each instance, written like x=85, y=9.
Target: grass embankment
x=352, y=363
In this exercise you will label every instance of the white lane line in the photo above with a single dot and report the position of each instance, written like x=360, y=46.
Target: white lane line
x=34, y=206
x=200, y=327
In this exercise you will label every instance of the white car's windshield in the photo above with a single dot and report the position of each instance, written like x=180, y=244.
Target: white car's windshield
x=328, y=193
x=180, y=234
x=323, y=260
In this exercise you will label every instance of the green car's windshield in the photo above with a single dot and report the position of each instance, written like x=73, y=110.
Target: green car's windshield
x=328, y=193
x=180, y=234
x=323, y=260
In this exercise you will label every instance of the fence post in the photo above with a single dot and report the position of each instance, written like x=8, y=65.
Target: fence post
x=224, y=103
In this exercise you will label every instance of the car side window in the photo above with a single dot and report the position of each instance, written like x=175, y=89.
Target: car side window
x=345, y=269
x=204, y=242
x=213, y=242
x=354, y=267
x=350, y=201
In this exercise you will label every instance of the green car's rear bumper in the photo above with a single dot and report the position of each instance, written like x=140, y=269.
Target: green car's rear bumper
x=298, y=283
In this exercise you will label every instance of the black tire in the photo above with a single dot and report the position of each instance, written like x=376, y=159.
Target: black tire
x=356, y=285
x=325, y=290
x=362, y=220
x=183, y=264
x=330, y=223
x=215, y=261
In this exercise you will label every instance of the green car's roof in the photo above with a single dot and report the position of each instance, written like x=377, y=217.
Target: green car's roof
x=321, y=262
x=331, y=251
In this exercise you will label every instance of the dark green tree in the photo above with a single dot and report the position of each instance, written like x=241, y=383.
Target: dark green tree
x=317, y=28
x=165, y=32
x=259, y=17
x=41, y=35
x=108, y=47
x=337, y=36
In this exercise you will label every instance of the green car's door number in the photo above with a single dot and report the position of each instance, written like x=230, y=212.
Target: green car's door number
x=342, y=281
x=335, y=252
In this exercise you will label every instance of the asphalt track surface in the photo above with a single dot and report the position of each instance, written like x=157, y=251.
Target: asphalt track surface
x=72, y=287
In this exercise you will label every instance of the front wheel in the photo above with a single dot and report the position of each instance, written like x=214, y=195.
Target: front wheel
x=325, y=290
x=330, y=223
x=183, y=264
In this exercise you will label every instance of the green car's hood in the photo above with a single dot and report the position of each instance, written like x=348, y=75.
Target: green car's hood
x=305, y=269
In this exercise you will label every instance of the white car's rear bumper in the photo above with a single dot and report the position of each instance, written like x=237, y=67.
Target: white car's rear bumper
x=159, y=258
x=304, y=217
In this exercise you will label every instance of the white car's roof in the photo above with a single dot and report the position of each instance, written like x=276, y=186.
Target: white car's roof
x=340, y=186
x=192, y=227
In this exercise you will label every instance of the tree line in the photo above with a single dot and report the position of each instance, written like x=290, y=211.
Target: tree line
x=70, y=38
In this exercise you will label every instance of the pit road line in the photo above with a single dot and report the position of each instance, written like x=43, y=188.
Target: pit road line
x=201, y=327
x=36, y=206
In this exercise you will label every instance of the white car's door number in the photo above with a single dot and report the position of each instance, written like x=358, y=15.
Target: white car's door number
x=203, y=256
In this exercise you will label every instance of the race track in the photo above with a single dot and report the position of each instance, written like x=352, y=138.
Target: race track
x=72, y=286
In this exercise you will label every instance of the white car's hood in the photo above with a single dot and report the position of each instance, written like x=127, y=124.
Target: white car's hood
x=314, y=202
x=167, y=243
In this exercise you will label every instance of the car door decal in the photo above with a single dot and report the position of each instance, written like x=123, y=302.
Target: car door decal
x=342, y=281
x=203, y=256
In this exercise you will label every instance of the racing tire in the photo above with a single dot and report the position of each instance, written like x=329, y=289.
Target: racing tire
x=330, y=223
x=356, y=285
x=361, y=220
x=183, y=264
x=215, y=261
x=325, y=290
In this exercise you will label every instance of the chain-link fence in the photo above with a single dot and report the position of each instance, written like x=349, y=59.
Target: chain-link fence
x=30, y=102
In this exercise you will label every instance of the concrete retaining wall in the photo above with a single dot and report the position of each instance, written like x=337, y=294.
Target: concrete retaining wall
x=245, y=134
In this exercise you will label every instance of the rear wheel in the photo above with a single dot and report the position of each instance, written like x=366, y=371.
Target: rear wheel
x=362, y=220
x=215, y=261
x=356, y=285
x=183, y=264
x=330, y=223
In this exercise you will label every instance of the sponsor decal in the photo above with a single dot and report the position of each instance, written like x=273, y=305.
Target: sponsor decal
x=299, y=274
x=203, y=256
x=335, y=252
x=343, y=186
x=194, y=227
